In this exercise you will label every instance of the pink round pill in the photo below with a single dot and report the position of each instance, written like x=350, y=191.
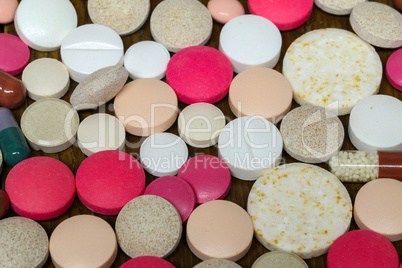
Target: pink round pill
x=224, y=10
x=394, y=69
x=362, y=248
x=147, y=262
x=40, y=188
x=208, y=175
x=175, y=190
x=14, y=54
x=7, y=10
x=285, y=14
x=107, y=180
x=199, y=74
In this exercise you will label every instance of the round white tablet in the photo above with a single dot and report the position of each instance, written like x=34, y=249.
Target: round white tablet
x=146, y=59
x=199, y=124
x=338, y=7
x=250, y=41
x=163, y=154
x=89, y=48
x=43, y=24
x=299, y=208
x=100, y=132
x=332, y=68
x=250, y=146
x=46, y=78
x=375, y=123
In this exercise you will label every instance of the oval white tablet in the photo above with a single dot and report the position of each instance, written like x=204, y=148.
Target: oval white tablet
x=146, y=59
x=43, y=24
x=100, y=132
x=163, y=154
x=332, y=68
x=89, y=48
x=375, y=123
x=199, y=124
x=250, y=146
x=46, y=78
x=250, y=41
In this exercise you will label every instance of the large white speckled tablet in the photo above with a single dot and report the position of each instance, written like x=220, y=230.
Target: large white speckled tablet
x=299, y=208
x=333, y=68
x=338, y=7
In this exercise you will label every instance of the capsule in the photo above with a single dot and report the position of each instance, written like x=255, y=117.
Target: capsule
x=12, y=91
x=12, y=142
x=361, y=166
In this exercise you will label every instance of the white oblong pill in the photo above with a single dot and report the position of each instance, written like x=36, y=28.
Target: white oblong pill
x=89, y=48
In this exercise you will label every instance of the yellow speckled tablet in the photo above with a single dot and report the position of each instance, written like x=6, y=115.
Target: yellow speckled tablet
x=299, y=208
x=333, y=68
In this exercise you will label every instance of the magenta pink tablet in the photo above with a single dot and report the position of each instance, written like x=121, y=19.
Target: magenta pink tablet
x=394, y=69
x=14, y=54
x=147, y=262
x=40, y=188
x=107, y=180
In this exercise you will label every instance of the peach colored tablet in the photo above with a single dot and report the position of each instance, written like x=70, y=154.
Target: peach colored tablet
x=260, y=92
x=219, y=229
x=378, y=208
x=146, y=106
x=83, y=241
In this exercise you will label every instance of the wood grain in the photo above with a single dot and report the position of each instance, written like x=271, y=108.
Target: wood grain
x=182, y=257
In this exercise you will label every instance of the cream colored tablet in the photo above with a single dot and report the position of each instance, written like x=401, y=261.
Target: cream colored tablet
x=338, y=7
x=217, y=263
x=333, y=68
x=378, y=24
x=46, y=78
x=199, y=124
x=125, y=17
x=50, y=125
x=100, y=132
x=279, y=259
x=299, y=208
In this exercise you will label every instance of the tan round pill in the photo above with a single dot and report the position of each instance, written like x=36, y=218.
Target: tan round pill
x=279, y=259
x=217, y=263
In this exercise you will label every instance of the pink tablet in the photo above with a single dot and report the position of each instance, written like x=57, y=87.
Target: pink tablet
x=285, y=14
x=147, y=262
x=394, y=69
x=7, y=10
x=107, y=180
x=362, y=248
x=14, y=54
x=208, y=175
x=199, y=74
x=40, y=188
x=175, y=190
x=224, y=10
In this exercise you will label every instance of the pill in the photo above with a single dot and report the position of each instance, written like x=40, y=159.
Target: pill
x=224, y=10
x=362, y=248
x=7, y=10
x=46, y=78
x=125, y=17
x=117, y=173
x=12, y=141
x=394, y=69
x=386, y=32
x=250, y=41
x=178, y=24
x=24, y=243
x=285, y=14
x=89, y=48
x=199, y=74
x=217, y=263
x=43, y=24
x=83, y=241
x=14, y=54
x=12, y=91
x=338, y=7
x=326, y=71
x=40, y=188
x=147, y=262
x=279, y=259
x=4, y=204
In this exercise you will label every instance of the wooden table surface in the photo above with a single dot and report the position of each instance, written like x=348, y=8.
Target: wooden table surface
x=182, y=256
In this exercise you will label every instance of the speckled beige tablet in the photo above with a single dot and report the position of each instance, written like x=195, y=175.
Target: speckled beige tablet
x=312, y=134
x=50, y=125
x=217, y=263
x=378, y=24
x=148, y=225
x=338, y=7
x=24, y=243
x=123, y=16
x=83, y=241
x=46, y=78
x=279, y=259
x=178, y=24
x=332, y=68
x=299, y=208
